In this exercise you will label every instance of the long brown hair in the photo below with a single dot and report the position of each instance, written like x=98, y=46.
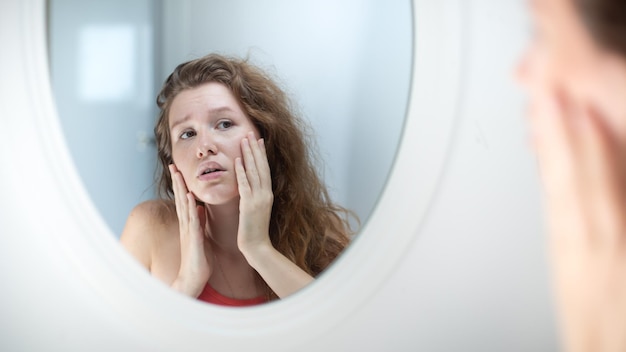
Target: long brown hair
x=305, y=225
x=606, y=21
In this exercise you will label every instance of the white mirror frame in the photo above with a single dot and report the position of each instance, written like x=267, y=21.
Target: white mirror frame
x=48, y=220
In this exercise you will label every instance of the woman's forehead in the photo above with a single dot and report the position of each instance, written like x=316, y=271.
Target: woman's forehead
x=210, y=98
x=551, y=7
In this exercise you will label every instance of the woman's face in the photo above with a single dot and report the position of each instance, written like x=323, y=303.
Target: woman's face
x=563, y=57
x=206, y=126
x=561, y=50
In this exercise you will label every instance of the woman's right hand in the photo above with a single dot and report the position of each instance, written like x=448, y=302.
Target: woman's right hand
x=195, y=268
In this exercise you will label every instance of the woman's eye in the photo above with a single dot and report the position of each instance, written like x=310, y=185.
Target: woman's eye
x=224, y=124
x=187, y=134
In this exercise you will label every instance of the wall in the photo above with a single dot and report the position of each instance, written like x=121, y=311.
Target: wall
x=102, y=67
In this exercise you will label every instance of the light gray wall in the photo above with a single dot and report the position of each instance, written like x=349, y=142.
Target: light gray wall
x=102, y=68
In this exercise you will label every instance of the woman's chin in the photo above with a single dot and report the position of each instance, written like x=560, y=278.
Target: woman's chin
x=216, y=200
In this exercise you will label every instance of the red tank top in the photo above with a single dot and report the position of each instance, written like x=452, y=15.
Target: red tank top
x=210, y=295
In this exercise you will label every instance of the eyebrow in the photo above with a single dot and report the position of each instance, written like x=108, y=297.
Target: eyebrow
x=210, y=112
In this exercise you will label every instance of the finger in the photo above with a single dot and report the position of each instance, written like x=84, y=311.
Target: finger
x=603, y=164
x=192, y=212
x=599, y=149
x=242, y=179
x=260, y=160
x=555, y=151
x=263, y=166
x=176, y=190
x=256, y=150
x=180, y=197
x=558, y=163
x=249, y=164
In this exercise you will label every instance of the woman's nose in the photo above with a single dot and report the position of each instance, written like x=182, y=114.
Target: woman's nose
x=522, y=70
x=206, y=147
x=527, y=67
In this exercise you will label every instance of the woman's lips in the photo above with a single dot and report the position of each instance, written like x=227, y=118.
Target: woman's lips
x=209, y=168
x=211, y=175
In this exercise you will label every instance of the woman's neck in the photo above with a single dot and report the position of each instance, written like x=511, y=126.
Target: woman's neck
x=233, y=277
x=223, y=224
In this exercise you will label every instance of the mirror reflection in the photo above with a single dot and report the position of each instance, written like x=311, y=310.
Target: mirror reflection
x=249, y=213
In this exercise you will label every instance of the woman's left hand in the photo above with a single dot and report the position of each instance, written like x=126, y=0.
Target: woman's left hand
x=583, y=164
x=255, y=189
x=255, y=209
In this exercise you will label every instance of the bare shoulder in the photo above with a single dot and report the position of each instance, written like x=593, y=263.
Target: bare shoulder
x=159, y=210
x=146, y=224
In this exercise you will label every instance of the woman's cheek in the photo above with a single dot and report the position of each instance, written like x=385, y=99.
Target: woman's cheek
x=178, y=157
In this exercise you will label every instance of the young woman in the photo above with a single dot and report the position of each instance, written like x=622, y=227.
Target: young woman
x=244, y=217
x=575, y=73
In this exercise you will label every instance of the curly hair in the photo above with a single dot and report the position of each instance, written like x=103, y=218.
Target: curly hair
x=305, y=225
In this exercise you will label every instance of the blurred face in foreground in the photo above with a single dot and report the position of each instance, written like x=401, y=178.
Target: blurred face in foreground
x=563, y=57
x=207, y=126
